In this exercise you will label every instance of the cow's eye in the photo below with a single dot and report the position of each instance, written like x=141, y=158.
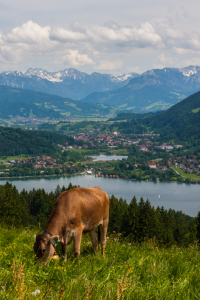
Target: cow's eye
x=43, y=251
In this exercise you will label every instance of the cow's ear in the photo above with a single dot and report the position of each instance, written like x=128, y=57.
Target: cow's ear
x=52, y=239
x=35, y=237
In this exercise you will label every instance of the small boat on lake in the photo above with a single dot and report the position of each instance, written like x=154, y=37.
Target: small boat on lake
x=158, y=196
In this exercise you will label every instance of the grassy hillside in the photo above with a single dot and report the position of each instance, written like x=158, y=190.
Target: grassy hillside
x=183, y=119
x=142, y=94
x=26, y=103
x=129, y=271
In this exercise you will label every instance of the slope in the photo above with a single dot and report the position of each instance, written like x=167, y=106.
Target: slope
x=26, y=103
x=181, y=121
x=153, y=90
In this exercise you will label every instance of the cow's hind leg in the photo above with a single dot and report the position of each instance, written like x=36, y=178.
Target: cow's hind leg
x=77, y=243
x=93, y=237
x=103, y=229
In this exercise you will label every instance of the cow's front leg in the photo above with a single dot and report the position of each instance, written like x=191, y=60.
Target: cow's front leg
x=64, y=251
x=77, y=243
x=93, y=237
x=67, y=241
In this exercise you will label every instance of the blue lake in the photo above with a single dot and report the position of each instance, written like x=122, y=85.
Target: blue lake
x=178, y=196
x=108, y=157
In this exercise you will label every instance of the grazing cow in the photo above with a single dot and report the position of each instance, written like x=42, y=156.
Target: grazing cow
x=75, y=212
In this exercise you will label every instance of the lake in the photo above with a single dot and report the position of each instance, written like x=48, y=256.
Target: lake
x=178, y=196
x=108, y=157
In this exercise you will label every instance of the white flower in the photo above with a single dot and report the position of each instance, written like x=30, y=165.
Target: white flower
x=36, y=292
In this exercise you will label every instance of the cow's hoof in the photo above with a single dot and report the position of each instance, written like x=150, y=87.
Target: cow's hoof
x=76, y=254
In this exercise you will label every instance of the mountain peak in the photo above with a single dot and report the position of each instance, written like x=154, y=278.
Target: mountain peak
x=190, y=70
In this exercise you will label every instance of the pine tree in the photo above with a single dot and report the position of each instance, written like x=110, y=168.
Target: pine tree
x=10, y=206
x=130, y=224
x=198, y=227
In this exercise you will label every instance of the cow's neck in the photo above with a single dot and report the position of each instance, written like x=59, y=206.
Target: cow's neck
x=55, y=223
x=53, y=227
x=50, y=231
x=47, y=234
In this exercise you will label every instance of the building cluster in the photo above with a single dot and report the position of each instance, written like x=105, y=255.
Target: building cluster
x=115, y=139
x=42, y=161
x=188, y=165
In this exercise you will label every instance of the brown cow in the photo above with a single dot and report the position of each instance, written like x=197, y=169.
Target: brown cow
x=75, y=212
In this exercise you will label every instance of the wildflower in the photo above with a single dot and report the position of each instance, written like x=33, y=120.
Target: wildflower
x=36, y=292
x=129, y=244
x=107, y=237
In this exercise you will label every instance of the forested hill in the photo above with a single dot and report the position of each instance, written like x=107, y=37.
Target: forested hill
x=17, y=141
x=182, y=120
x=29, y=104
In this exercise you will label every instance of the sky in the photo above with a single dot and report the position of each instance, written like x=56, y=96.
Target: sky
x=107, y=36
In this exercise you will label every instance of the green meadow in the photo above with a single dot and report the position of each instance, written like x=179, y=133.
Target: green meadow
x=129, y=270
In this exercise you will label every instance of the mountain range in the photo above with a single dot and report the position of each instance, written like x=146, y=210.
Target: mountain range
x=69, y=83
x=154, y=90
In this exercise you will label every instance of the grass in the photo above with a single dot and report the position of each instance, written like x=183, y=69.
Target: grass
x=129, y=271
x=22, y=156
x=181, y=172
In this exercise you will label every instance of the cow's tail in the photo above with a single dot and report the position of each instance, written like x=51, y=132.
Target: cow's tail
x=99, y=236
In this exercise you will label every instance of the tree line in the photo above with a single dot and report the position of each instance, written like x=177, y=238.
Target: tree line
x=136, y=221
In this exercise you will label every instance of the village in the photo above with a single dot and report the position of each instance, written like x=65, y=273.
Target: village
x=111, y=142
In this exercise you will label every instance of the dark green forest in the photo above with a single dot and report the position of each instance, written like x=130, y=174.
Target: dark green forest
x=136, y=221
x=17, y=141
x=180, y=122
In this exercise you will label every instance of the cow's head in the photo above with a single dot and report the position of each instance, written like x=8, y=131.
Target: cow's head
x=44, y=247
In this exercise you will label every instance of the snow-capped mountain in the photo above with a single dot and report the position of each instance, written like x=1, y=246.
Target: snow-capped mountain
x=153, y=90
x=191, y=70
x=166, y=86
x=69, y=83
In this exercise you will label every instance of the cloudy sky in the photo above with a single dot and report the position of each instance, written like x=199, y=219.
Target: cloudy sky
x=107, y=36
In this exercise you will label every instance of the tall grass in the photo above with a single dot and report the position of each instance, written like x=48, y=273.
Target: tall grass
x=129, y=271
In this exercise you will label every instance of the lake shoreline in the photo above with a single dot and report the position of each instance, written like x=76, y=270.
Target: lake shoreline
x=178, y=196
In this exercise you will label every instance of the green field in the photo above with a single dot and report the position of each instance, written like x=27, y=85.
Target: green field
x=22, y=156
x=129, y=271
x=182, y=173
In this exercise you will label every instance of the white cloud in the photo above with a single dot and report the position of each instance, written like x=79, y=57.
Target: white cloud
x=63, y=35
x=182, y=51
x=74, y=58
x=143, y=36
x=109, y=47
x=133, y=69
x=109, y=65
x=191, y=62
x=29, y=33
x=163, y=59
